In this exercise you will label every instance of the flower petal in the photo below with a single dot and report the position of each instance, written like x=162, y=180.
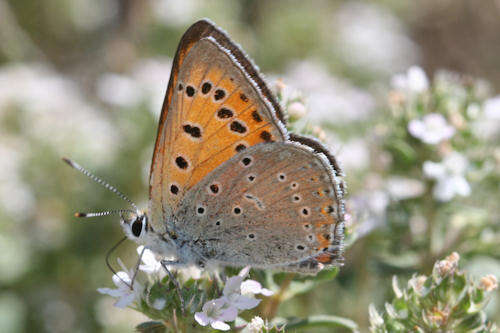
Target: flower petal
x=121, y=279
x=244, y=272
x=461, y=185
x=232, y=285
x=125, y=301
x=434, y=170
x=228, y=314
x=251, y=287
x=110, y=292
x=244, y=303
x=266, y=292
x=201, y=318
x=220, y=325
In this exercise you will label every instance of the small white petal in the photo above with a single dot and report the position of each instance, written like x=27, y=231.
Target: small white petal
x=266, y=292
x=417, y=80
x=221, y=326
x=434, y=170
x=416, y=128
x=492, y=108
x=125, y=301
x=232, y=285
x=110, y=292
x=431, y=129
x=244, y=272
x=462, y=187
x=251, y=287
x=443, y=190
x=244, y=303
x=122, y=279
x=455, y=163
x=256, y=325
x=228, y=314
x=201, y=318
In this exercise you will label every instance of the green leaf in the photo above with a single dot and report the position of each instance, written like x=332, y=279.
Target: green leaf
x=151, y=327
x=322, y=321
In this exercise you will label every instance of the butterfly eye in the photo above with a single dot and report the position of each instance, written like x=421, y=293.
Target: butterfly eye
x=137, y=226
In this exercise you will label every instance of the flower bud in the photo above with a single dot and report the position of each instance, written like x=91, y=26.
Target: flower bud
x=297, y=110
x=488, y=283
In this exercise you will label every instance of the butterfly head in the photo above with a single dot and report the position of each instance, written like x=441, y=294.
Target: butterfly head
x=135, y=226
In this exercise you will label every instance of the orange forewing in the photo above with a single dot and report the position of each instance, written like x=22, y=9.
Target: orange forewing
x=216, y=105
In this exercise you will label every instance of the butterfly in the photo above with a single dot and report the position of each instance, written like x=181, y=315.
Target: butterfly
x=229, y=186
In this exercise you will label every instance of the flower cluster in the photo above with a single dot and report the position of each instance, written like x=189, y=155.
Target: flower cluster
x=445, y=301
x=236, y=296
x=152, y=299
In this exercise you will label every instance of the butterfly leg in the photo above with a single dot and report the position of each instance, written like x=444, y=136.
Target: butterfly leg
x=136, y=270
x=164, y=263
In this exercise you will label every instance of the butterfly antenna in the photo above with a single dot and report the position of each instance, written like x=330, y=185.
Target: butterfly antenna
x=103, y=183
x=105, y=213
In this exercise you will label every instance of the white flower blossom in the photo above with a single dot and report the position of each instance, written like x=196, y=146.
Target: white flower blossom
x=414, y=81
x=329, y=97
x=215, y=312
x=492, y=108
x=123, y=292
x=251, y=287
x=232, y=292
x=431, y=129
x=401, y=188
x=237, y=295
x=256, y=325
x=449, y=176
x=150, y=264
x=487, y=124
x=118, y=90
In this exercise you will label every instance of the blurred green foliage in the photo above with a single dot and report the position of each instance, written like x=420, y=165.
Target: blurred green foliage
x=85, y=79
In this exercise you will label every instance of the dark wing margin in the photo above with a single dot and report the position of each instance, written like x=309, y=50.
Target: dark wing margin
x=333, y=256
x=318, y=147
x=202, y=29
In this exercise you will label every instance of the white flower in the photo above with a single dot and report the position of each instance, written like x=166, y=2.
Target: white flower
x=215, y=312
x=354, y=154
x=232, y=292
x=255, y=326
x=329, y=97
x=414, y=81
x=118, y=90
x=151, y=265
x=251, y=287
x=492, y=108
x=432, y=129
x=487, y=125
x=449, y=176
x=123, y=292
x=401, y=188
x=235, y=296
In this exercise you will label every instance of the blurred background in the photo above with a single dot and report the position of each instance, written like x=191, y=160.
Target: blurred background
x=86, y=79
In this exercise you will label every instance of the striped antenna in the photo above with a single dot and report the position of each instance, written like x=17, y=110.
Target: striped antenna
x=103, y=183
x=105, y=213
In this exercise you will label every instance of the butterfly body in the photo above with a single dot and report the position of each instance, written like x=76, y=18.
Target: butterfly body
x=229, y=186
